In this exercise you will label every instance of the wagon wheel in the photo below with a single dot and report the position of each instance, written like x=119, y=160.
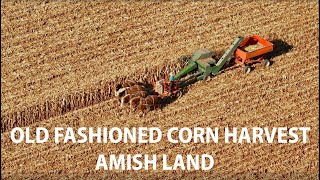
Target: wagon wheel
x=266, y=63
x=247, y=69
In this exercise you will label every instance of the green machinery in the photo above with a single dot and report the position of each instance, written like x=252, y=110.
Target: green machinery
x=202, y=60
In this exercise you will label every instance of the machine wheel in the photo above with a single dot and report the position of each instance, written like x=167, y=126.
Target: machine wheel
x=178, y=94
x=167, y=99
x=266, y=63
x=247, y=69
x=207, y=78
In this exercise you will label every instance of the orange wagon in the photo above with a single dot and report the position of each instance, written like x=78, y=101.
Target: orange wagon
x=251, y=51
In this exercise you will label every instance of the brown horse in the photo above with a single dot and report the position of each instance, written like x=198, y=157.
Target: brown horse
x=129, y=90
x=129, y=83
x=134, y=102
x=119, y=89
x=135, y=89
x=127, y=98
x=148, y=103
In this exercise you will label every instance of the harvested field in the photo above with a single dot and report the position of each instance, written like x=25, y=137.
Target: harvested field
x=67, y=53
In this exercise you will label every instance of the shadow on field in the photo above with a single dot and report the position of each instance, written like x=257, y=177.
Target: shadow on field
x=165, y=100
x=279, y=47
x=170, y=99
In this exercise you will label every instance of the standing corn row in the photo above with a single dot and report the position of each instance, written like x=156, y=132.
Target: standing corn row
x=57, y=106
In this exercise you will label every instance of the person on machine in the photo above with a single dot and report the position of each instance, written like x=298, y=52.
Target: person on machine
x=171, y=79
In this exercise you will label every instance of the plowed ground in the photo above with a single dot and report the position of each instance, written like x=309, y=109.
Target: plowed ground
x=81, y=44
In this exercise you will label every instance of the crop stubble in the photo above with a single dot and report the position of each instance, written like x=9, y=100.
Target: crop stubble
x=283, y=95
x=36, y=94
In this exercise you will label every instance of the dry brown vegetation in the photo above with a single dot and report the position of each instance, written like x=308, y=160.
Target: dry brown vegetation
x=66, y=55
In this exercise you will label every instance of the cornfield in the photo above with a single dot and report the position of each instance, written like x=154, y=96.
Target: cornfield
x=61, y=59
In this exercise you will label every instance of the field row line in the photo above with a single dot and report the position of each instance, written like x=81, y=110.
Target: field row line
x=57, y=148
x=72, y=24
x=234, y=93
x=115, y=12
x=265, y=163
x=107, y=36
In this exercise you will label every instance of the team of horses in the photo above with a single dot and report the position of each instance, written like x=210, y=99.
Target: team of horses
x=137, y=96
